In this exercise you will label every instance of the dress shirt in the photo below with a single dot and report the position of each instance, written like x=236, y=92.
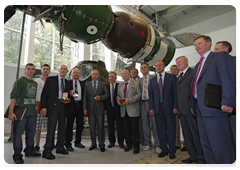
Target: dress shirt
x=79, y=90
x=163, y=76
x=147, y=97
x=96, y=84
x=203, y=62
x=184, y=71
x=114, y=85
x=59, y=86
x=127, y=84
x=136, y=79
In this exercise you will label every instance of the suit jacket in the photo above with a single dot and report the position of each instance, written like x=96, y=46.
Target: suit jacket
x=184, y=92
x=89, y=103
x=133, y=94
x=71, y=105
x=218, y=69
x=49, y=96
x=141, y=83
x=169, y=94
x=108, y=104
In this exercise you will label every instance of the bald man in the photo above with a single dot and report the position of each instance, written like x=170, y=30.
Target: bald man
x=95, y=94
x=55, y=110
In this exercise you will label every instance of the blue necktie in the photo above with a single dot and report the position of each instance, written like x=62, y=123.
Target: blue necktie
x=160, y=88
x=62, y=85
x=76, y=89
x=94, y=87
x=112, y=96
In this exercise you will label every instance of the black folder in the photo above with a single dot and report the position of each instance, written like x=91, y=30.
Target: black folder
x=213, y=96
x=18, y=110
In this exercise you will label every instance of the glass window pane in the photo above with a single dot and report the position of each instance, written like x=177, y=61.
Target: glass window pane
x=63, y=57
x=15, y=22
x=11, y=47
x=42, y=32
x=42, y=52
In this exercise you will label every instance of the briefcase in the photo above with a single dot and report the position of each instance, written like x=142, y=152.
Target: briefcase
x=213, y=96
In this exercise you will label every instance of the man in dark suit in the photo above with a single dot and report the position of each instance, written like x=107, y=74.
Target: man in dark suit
x=55, y=110
x=226, y=46
x=217, y=69
x=189, y=123
x=162, y=104
x=113, y=112
x=95, y=94
x=130, y=91
x=75, y=111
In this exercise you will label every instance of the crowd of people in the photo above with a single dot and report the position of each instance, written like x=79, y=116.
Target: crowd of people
x=137, y=105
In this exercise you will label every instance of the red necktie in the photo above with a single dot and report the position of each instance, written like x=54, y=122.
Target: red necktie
x=125, y=89
x=181, y=75
x=195, y=81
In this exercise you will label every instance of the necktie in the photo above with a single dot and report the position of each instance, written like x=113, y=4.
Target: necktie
x=76, y=88
x=160, y=88
x=125, y=89
x=195, y=81
x=62, y=85
x=94, y=87
x=181, y=75
x=145, y=89
x=112, y=95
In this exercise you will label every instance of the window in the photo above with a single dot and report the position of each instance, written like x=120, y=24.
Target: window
x=98, y=51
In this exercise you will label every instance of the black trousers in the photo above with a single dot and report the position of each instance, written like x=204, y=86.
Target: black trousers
x=60, y=117
x=78, y=115
x=111, y=118
x=131, y=131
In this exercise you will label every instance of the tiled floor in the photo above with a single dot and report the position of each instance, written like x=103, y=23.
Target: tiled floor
x=114, y=155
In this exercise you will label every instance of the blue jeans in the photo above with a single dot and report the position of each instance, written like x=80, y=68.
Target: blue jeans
x=28, y=123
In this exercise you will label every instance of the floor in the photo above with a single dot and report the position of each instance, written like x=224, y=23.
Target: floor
x=114, y=155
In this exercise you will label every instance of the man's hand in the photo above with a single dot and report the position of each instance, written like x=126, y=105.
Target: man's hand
x=126, y=101
x=12, y=116
x=85, y=112
x=152, y=112
x=97, y=98
x=175, y=111
x=44, y=111
x=227, y=109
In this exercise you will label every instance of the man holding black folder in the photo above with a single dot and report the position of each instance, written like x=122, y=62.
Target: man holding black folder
x=24, y=94
x=214, y=69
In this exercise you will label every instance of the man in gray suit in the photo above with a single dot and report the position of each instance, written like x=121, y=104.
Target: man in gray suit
x=145, y=114
x=189, y=123
x=95, y=93
x=130, y=92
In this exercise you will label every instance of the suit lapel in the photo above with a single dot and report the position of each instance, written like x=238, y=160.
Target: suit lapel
x=166, y=78
x=130, y=86
x=206, y=64
x=184, y=76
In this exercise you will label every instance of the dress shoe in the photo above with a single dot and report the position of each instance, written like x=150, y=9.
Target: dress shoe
x=102, y=149
x=178, y=147
x=200, y=165
x=79, y=145
x=172, y=155
x=36, y=148
x=136, y=151
x=64, y=151
x=189, y=160
x=48, y=155
x=142, y=143
x=33, y=153
x=18, y=160
x=162, y=154
x=184, y=149
x=147, y=148
x=122, y=146
x=69, y=148
x=111, y=145
x=92, y=147
x=158, y=150
x=127, y=149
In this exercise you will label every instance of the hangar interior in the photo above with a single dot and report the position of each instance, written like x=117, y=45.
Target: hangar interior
x=216, y=21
